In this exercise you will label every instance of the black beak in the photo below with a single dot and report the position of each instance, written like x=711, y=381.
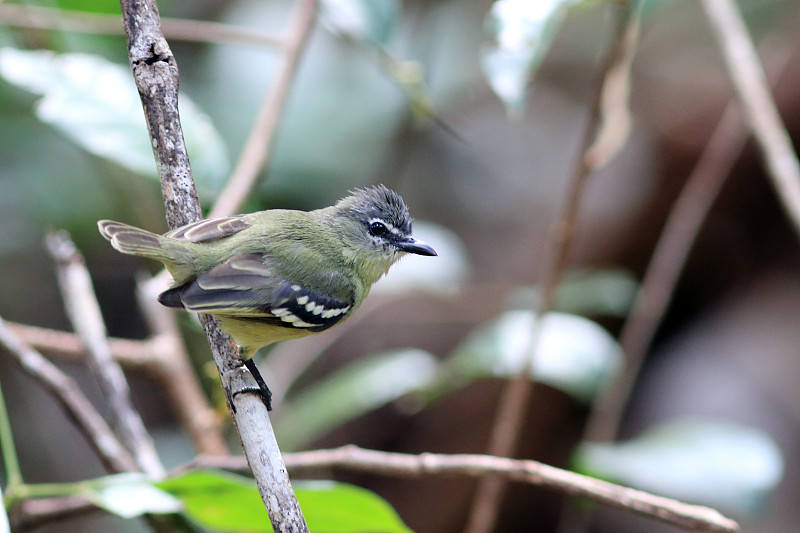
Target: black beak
x=414, y=246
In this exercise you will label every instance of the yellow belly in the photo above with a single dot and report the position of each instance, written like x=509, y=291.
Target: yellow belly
x=253, y=334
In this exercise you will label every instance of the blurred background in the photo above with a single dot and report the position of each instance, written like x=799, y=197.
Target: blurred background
x=715, y=417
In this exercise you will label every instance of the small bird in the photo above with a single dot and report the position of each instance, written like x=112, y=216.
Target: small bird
x=278, y=274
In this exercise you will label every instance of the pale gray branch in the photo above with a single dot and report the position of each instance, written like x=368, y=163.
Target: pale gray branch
x=84, y=313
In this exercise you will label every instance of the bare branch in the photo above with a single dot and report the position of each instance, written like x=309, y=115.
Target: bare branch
x=759, y=107
x=84, y=313
x=517, y=394
x=106, y=24
x=80, y=410
x=128, y=353
x=258, y=148
x=355, y=459
x=156, y=76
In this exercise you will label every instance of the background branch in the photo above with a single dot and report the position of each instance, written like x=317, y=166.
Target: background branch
x=672, y=250
x=258, y=148
x=517, y=393
x=129, y=353
x=752, y=90
x=84, y=313
x=172, y=368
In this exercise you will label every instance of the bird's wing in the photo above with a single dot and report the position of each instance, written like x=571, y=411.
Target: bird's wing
x=210, y=230
x=245, y=287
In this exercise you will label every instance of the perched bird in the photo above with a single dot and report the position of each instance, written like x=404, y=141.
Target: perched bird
x=278, y=274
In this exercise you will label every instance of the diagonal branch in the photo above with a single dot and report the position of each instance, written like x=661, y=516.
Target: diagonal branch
x=258, y=148
x=760, y=111
x=669, y=257
x=64, y=389
x=84, y=313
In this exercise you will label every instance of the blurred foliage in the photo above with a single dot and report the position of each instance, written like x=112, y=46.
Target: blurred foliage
x=572, y=354
x=727, y=466
x=93, y=103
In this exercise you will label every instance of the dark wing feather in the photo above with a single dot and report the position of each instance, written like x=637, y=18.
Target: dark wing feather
x=209, y=230
x=245, y=287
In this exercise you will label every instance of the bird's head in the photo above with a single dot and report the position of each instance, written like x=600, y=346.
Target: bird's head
x=375, y=229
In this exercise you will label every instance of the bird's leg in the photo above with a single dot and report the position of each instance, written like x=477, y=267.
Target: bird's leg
x=262, y=390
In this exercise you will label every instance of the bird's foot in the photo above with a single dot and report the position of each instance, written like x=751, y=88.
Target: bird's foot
x=262, y=390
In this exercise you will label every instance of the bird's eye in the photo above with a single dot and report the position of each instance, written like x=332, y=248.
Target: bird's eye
x=377, y=228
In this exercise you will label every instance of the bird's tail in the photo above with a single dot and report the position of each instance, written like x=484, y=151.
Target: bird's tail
x=133, y=241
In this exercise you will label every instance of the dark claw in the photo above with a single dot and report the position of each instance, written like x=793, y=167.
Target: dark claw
x=262, y=390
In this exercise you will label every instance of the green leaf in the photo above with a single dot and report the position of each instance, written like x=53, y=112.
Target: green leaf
x=227, y=502
x=360, y=19
x=131, y=495
x=220, y=501
x=95, y=104
x=723, y=465
x=91, y=6
x=331, y=507
x=362, y=386
x=519, y=33
x=574, y=354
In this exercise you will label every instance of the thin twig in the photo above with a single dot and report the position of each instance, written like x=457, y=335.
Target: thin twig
x=64, y=390
x=156, y=75
x=107, y=24
x=517, y=393
x=84, y=313
x=31, y=513
x=258, y=148
x=760, y=111
x=355, y=459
